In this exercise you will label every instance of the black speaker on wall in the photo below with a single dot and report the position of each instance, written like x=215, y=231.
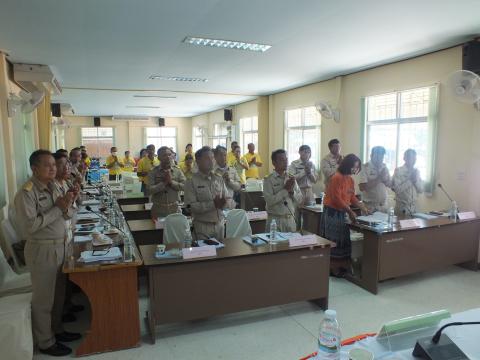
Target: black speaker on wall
x=161, y=121
x=227, y=114
x=56, y=110
x=96, y=121
x=471, y=56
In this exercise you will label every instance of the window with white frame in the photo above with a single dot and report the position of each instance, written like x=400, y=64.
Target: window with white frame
x=197, y=138
x=220, y=134
x=162, y=136
x=248, y=132
x=303, y=128
x=399, y=121
x=98, y=141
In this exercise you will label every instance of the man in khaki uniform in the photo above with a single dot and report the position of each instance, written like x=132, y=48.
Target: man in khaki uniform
x=305, y=173
x=165, y=181
x=206, y=195
x=374, y=179
x=329, y=164
x=75, y=157
x=229, y=174
x=282, y=194
x=41, y=214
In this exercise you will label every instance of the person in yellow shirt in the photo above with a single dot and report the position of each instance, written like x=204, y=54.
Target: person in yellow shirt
x=239, y=164
x=86, y=158
x=231, y=154
x=128, y=162
x=188, y=150
x=187, y=166
x=254, y=162
x=146, y=164
x=114, y=165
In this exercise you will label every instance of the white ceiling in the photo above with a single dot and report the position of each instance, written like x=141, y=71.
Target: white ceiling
x=103, y=51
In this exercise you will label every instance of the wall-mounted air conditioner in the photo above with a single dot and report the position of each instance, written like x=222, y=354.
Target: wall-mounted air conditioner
x=36, y=78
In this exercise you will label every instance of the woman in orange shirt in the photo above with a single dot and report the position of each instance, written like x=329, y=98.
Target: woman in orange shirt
x=338, y=198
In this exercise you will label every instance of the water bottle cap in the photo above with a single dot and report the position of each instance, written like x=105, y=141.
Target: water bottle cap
x=331, y=314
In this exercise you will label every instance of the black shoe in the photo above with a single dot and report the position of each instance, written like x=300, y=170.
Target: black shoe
x=67, y=336
x=57, y=349
x=76, y=308
x=68, y=318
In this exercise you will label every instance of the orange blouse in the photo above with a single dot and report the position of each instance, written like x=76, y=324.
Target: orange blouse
x=340, y=192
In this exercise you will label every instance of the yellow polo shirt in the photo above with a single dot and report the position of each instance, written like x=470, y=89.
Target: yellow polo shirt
x=145, y=165
x=252, y=172
x=116, y=170
x=230, y=157
x=129, y=164
x=186, y=171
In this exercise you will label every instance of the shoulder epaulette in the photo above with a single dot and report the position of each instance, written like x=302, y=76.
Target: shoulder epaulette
x=28, y=186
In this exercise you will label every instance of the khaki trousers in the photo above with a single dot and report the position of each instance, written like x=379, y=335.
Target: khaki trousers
x=45, y=263
x=204, y=230
x=308, y=195
x=284, y=223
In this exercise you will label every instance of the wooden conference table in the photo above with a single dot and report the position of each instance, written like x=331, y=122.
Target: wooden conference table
x=436, y=243
x=240, y=277
x=135, y=211
x=252, y=199
x=145, y=233
x=111, y=289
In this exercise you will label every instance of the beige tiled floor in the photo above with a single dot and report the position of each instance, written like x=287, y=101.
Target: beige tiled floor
x=289, y=331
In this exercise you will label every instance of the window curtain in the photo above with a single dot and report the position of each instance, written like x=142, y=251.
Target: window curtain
x=432, y=139
x=44, y=119
x=363, y=129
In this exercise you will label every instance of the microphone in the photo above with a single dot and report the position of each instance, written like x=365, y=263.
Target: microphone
x=444, y=191
x=89, y=208
x=433, y=349
x=286, y=205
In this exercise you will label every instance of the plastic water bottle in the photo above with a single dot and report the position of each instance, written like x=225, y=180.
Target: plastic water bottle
x=187, y=243
x=329, y=337
x=454, y=211
x=273, y=232
x=391, y=215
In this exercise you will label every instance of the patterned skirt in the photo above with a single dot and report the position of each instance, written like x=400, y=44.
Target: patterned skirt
x=334, y=228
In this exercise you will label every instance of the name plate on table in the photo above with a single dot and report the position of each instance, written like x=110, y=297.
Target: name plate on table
x=467, y=215
x=302, y=240
x=148, y=206
x=199, y=252
x=258, y=215
x=410, y=223
x=160, y=223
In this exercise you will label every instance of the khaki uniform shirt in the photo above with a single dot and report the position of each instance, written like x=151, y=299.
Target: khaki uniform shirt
x=37, y=216
x=234, y=183
x=200, y=191
x=161, y=193
x=276, y=196
x=328, y=167
x=297, y=169
x=406, y=190
x=375, y=197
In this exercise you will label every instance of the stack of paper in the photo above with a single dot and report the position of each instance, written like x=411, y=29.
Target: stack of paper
x=113, y=253
x=90, y=202
x=87, y=216
x=281, y=236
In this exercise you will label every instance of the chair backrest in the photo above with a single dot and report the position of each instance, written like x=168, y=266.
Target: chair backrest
x=11, y=237
x=237, y=224
x=175, y=229
x=6, y=272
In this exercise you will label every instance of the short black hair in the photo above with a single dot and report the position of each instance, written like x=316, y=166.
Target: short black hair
x=409, y=151
x=62, y=151
x=199, y=153
x=333, y=142
x=60, y=155
x=126, y=151
x=162, y=149
x=219, y=148
x=276, y=153
x=236, y=147
x=113, y=147
x=142, y=151
x=149, y=146
x=75, y=149
x=234, y=142
x=304, y=148
x=378, y=149
x=345, y=167
x=36, y=155
x=188, y=146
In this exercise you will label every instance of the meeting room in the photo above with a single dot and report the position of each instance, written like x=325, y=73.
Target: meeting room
x=237, y=180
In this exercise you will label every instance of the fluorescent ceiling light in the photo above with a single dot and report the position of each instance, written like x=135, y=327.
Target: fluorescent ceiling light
x=226, y=44
x=143, y=107
x=155, y=96
x=177, y=78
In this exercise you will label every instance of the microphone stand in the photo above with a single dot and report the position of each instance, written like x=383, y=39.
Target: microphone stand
x=453, y=206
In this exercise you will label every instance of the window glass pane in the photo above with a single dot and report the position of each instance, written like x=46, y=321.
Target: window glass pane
x=414, y=136
x=246, y=124
x=294, y=117
x=220, y=130
x=382, y=107
x=414, y=103
x=294, y=141
x=255, y=123
x=386, y=136
x=311, y=137
x=105, y=132
x=220, y=141
x=89, y=132
x=168, y=131
x=312, y=116
x=153, y=132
